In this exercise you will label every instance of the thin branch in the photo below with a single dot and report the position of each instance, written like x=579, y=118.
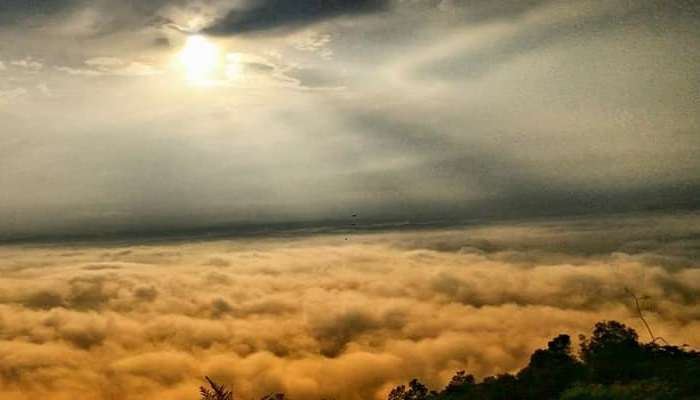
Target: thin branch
x=654, y=338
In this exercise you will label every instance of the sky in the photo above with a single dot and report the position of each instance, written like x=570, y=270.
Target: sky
x=172, y=115
x=329, y=198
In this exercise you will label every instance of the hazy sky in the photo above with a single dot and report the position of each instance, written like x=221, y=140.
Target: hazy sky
x=114, y=116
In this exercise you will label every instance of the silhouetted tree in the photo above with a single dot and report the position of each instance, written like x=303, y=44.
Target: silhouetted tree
x=674, y=365
x=550, y=371
x=646, y=390
x=414, y=391
x=276, y=396
x=613, y=353
x=217, y=391
x=499, y=387
x=462, y=386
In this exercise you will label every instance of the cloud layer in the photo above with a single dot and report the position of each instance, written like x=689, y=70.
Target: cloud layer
x=328, y=317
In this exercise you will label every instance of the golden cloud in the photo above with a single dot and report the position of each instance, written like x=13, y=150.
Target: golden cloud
x=323, y=317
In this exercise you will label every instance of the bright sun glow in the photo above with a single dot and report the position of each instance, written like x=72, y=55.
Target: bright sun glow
x=200, y=58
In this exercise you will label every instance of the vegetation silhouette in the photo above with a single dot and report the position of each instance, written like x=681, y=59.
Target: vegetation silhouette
x=611, y=364
x=217, y=391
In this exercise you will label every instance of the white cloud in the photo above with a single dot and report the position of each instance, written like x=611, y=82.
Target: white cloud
x=104, y=62
x=44, y=89
x=7, y=96
x=135, y=69
x=28, y=63
x=314, y=42
x=108, y=66
x=79, y=71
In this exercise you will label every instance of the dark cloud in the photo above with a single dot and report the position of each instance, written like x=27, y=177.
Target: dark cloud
x=161, y=42
x=654, y=15
x=318, y=78
x=44, y=300
x=258, y=67
x=33, y=8
x=101, y=267
x=265, y=15
x=108, y=16
x=90, y=292
x=146, y=293
x=484, y=10
x=334, y=334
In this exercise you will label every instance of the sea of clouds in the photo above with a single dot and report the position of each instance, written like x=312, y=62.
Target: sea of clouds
x=344, y=316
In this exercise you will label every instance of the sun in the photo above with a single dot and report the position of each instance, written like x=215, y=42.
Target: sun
x=200, y=59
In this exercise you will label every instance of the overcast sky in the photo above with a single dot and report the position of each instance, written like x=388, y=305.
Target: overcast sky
x=315, y=110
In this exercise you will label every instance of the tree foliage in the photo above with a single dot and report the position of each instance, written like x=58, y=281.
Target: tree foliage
x=217, y=391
